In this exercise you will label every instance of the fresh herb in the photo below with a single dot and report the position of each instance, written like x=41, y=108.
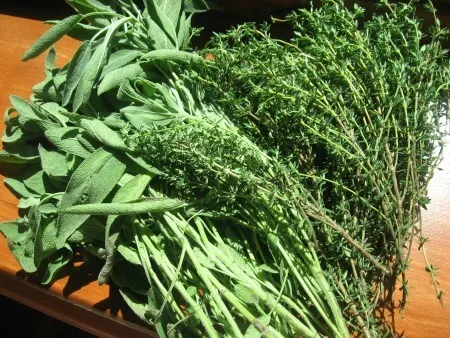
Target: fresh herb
x=361, y=108
x=268, y=192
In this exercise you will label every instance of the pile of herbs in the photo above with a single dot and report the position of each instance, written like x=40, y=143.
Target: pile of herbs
x=259, y=187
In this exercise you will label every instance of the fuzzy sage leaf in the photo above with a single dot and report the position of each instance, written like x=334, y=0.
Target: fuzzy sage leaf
x=140, y=206
x=76, y=69
x=132, y=190
x=90, y=183
x=55, y=33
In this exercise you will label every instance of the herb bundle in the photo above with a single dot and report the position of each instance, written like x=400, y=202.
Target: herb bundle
x=361, y=108
x=268, y=192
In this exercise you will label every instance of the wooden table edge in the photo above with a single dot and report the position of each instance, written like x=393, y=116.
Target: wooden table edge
x=85, y=318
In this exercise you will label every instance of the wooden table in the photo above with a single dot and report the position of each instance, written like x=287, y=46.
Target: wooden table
x=80, y=301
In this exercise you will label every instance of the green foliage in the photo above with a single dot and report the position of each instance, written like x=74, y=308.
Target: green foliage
x=361, y=108
x=51, y=36
x=268, y=192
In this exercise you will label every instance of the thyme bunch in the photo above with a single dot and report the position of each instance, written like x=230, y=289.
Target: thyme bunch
x=209, y=162
x=361, y=108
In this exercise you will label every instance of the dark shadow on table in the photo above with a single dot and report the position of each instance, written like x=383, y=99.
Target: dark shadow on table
x=387, y=311
x=116, y=306
x=82, y=275
x=83, y=272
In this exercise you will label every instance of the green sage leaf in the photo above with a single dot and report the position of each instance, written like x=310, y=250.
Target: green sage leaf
x=91, y=182
x=65, y=139
x=23, y=157
x=93, y=67
x=55, y=33
x=245, y=294
x=53, y=163
x=162, y=19
x=45, y=240
x=13, y=230
x=76, y=69
x=120, y=59
x=101, y=132
x=57, y=262
x=114, y=78
x=18, y=187
x=132, y=190
x=140, y=206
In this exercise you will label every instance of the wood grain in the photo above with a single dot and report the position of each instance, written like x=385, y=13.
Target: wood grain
x=423, y=317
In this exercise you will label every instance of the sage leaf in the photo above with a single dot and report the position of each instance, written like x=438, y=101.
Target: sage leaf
x=45, y=240
x=115, y=121
x=17, y=158
x=120, y=59
x=172, y=8
x=36, y=126
x=129, y=254
x=93, y=67
x=128, y=93
x=131, y=276
x=58, y=261
x=76, y=70
x=25, y=109
x=140, y=206
x=88, y=142
x=146, y=116
x=184, y=28
x=83, y=32
x=132, y=190
x=94, y=250
x=48, y=208
x=140, y=308
x=51, y=88
x=245, y=294
x=158, y=15
x=195, y=6
x=235, y=258
x=26, y=203
x=252, y=332
x=53, y=163
x=138, y=165
x=89, y=6
x=114, y=78
x=91, y=182
x=262, y=322
x=54, y=111
x=18, y=187
x=34, y=180
x=65, y=139
x=91, y=231
x=13, y=230
x=50, y=61
x=25, y=260
x=11, y=136
x=176, y=56
x=101, y=132
x=55, y=33
x=158, y=37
